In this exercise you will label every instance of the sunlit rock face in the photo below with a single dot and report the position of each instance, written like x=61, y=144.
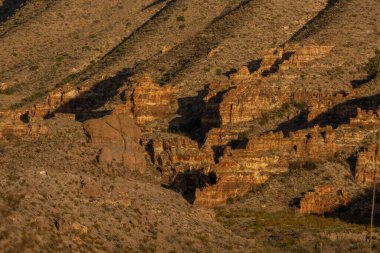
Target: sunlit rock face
x=323, y=199
x=368, y=166
x=150, y=101
x=118, y=137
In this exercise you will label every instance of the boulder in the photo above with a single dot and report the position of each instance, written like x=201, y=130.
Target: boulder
x=118, y=138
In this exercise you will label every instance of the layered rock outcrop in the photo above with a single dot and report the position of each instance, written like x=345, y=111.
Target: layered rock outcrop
x=54, y=100
x=15, y=124
x=323, y=199
x=258, y=92
x=118, y=137
x=367, y=170
x=309, y=143
x=150, y=101
x=176, y=154
x=249, y=100
x=237, y=172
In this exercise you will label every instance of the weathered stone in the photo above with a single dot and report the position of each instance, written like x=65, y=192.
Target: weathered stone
x=119, y=135
x=323, y=199
x=236, y=173
x=12, y=124
x=310, y=143
x=249, y=100
x=150, y=101
x=367, y=170
x=53, y=101
x=6, y=86
x=178, y=153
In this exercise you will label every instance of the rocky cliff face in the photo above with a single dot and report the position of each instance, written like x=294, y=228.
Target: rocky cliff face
x=323, y=199
x=16, y=124
x=228, y=161
x=150, y=101
x=367, y=166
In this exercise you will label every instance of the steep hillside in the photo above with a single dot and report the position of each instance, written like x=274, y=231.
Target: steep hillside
x=189, y=126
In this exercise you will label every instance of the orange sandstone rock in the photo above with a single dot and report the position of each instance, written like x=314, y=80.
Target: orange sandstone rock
x=323, y=199
x=14, y=124
x=150, y=101
x=118, y=137
x=368, y=166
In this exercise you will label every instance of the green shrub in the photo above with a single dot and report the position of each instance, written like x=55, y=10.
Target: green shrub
x=373, y=65
x=8, y=91
x=243, y=136
x=181, y=19
x=218, y=72
x=265, y=117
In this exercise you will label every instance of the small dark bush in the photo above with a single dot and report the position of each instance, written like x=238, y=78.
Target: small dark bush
x=265, y=117
x=8, y=91
x=310, y=165
x=295, y=165
x=373, y=65
x=181, y=19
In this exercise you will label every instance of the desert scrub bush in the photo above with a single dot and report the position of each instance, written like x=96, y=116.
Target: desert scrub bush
x=310, y=165
x=181, y=19
x=8, y=91
x=295, y=166
x=29, y=99
x=229, y=201
x=265, y=117
x=307, y=165
x=298, y=104
x=243, y=136
x=33, y=68
x=373, y=65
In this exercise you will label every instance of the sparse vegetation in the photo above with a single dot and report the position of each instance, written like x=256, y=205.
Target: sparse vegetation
x=8, y=91
x=307, y=165
x=226, y=75
x=181, y=19
x=373, y=66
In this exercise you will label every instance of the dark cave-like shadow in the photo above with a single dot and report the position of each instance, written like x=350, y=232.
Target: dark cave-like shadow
x=9, y=7
x=192, y=110
x=351, y=160
x=189, y=122
x=85, y=105
x=186, y=183
x=336, y=116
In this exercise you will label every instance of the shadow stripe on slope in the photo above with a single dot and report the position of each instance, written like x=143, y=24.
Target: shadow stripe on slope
x=86, y=73
x=319, y=21
x=9, y=7
x=197, y=46
x=25, y=18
